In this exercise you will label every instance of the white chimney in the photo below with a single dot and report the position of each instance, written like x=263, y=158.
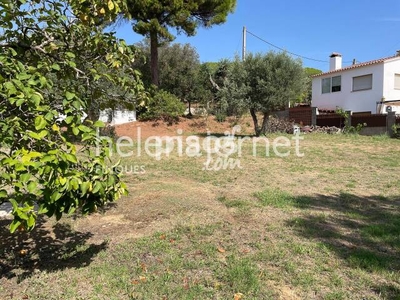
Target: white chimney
x=335, y=62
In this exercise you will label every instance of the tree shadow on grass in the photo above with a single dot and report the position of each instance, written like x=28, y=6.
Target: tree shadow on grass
x=364, y=231
x=44, y=249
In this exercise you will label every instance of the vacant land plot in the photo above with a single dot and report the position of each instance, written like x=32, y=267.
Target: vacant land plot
x=322, y=226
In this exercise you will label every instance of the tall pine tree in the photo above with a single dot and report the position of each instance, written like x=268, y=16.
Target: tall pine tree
x=155, y=18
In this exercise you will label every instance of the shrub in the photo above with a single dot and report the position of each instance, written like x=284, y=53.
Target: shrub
x=348, y=128
x=220, y=117
x=396, y=131
x=164, y=106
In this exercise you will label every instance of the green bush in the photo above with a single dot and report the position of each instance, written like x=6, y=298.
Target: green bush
x=220, y=117
x=163, y=106
x=348, y=128
x=396, y=131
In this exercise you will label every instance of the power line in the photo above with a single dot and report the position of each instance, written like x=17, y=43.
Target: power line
x=301, y=56
x=294, y=54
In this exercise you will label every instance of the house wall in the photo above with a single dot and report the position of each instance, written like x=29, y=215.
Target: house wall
x=389, y=92
x=347, y=99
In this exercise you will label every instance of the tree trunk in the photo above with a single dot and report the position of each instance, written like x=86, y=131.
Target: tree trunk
x=93, y=112
x=255, y=121
x=264, y=124
x=154, y=58
x=190, y=109
x=93, y=115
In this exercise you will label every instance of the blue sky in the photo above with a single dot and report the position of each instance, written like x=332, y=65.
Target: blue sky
x=358, y=29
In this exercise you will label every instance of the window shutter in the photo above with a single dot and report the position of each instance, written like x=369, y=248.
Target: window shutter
x=362, y=83
x=397, y=81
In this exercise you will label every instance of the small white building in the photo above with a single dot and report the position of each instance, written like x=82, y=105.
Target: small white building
x=117, y=117
x=372, y=86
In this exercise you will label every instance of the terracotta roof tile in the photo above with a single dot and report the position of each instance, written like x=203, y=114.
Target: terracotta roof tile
x=364, y=64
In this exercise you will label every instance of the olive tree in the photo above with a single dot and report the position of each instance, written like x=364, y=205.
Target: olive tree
x=263, y=83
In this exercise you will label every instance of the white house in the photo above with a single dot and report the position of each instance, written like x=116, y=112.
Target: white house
x=372, y=86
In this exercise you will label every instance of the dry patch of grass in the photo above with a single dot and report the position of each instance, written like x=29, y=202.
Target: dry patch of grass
x=324, y=226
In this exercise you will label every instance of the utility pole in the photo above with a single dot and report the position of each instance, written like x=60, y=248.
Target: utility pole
x=244, y=43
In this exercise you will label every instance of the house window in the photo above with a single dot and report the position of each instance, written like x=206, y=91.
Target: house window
x=326, y=85
x=361, y=83
x=331, y=84
x=397, y=81
x=336, y=84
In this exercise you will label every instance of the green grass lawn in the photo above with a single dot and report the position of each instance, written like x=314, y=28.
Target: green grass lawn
x=323, y=226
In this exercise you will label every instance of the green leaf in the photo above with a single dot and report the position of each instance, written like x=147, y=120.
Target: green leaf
x=69, y=119
x=14, y=204
x=72, y=64
x=76, y=104
x=32, y=187
x=25, y=177
x=62, y=180
x=69, y=95
x=23, y=76
x=56, y=67
x=70, y=54
x=36, y=98
x=85, y=187
x=40, y=123
x=20, y=102
x=111, y=180
x=49, y=116
x=19, y=168
x=42, y=209
x=55, y=196
x=72, y=158
x=97, y=187
x=14, y=225
x=75, y=130
x=48, y=158
x=87, y=136
x=34, y=135
x=10, y=87
x=71, y=210
x=5, y=176
x=3, y=194
x=21, y=213
x=31, y=221
x=74, y=183
x=43, y=133
x=43, y=81
x=32, y=82
x=28, y=156
x=99, y=124
x=84, y=128
x=13, y=52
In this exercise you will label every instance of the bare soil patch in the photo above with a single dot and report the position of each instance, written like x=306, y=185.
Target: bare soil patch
x=195, y=125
